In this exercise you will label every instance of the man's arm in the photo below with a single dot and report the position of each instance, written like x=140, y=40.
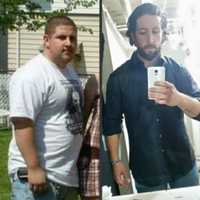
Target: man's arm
x=119, y=169
x=189, y=105
x=90, y=92
x=166, y=93
x=112, y=127
x=24, y=134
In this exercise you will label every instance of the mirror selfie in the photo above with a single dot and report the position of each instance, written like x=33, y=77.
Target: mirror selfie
x=151, y=89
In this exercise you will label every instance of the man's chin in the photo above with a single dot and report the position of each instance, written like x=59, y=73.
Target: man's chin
x=148, y=56
x=67, y=58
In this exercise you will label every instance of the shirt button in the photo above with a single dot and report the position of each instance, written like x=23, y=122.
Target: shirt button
x=160, y=135
x=157, y=120
x=162, y=150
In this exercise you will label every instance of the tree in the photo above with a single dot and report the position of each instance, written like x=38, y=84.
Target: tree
x=30, y=14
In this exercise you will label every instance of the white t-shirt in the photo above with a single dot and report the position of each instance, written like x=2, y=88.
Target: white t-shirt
x=52, y=99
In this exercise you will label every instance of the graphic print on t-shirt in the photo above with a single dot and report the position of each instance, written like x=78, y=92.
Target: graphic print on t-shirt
x=74, y=119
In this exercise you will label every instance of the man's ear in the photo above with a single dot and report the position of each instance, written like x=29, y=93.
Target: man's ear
x=164, y=37
x=132, y=39
x=46, y=40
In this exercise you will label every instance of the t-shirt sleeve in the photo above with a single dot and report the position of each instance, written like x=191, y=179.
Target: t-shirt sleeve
x=25, y=97
x=113, y=107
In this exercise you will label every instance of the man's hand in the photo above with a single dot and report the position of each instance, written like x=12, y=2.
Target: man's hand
x=164, y=93
x=120, y=174
x=37, y=180
x=167, y=94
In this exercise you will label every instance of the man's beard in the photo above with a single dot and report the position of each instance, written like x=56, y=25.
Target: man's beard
x=148, y=56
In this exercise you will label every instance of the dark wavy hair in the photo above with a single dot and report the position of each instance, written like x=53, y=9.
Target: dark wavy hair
x=144, y=9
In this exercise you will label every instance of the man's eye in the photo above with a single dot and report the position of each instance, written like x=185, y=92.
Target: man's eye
x=142, y=32
x=156, y=32
x=72, y=39
x=62, y=37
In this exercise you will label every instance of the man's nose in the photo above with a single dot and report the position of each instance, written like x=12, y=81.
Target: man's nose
x=68, y=42
x=150, y=37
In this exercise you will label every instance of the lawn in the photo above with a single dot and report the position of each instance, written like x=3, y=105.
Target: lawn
x=4, y=181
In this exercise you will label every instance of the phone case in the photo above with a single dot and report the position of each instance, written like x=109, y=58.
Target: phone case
x=155, y=73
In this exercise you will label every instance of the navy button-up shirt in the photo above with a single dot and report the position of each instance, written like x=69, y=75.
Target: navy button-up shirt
x=160, y=150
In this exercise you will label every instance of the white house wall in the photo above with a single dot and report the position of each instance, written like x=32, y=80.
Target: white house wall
x=29, y=43
x=90, y=41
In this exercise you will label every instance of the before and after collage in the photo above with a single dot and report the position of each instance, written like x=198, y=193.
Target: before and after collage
x=99, y=100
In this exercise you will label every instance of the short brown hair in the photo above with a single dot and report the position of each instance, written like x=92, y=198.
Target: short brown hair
x=55, y=21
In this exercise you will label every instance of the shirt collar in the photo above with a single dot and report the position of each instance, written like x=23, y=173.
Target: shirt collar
x=136, y=61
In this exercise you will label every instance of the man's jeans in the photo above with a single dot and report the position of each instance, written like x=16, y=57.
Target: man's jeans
x=190, y=179
x=21, y=191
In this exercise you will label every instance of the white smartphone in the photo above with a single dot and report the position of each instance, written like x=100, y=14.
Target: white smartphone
x=155, y=73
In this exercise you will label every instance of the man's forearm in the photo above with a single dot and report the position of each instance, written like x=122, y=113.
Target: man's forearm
x=25, y=139
x=113, y=146
x=90, y=93
x=189, y=105
x=26, y=143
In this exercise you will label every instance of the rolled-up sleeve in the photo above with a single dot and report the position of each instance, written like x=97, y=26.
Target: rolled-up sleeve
x=113, y=108
x=187, y=84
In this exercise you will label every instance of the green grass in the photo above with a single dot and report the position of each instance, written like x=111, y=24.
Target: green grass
x=5, y=136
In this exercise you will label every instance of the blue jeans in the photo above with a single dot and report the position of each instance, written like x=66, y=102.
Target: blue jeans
x=21, y=191
x=190, y=179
